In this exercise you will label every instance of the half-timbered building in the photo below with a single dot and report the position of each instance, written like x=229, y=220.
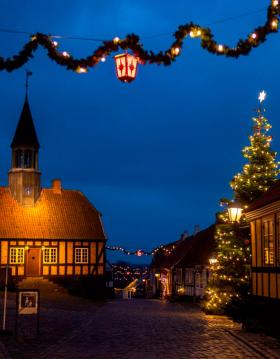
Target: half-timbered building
x=45, y=232
x=264, y=217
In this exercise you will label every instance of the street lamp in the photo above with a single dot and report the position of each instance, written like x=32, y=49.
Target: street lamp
x=126, y=67
x=213, y=260
x=234, y=212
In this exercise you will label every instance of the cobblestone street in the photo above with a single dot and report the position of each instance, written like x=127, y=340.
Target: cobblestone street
x=136, y=329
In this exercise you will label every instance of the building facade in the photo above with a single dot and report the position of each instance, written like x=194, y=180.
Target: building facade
x=45, y=231
x=264, y=217
x=182, y=268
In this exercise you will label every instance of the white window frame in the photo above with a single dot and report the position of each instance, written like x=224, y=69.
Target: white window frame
x=268, y=241
x=50, y=255
x=81, y=255
x=16, y=255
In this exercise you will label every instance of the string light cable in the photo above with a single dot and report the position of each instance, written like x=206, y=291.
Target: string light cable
x=132, y=42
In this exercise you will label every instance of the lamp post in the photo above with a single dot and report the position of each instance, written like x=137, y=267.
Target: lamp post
x=234, y=212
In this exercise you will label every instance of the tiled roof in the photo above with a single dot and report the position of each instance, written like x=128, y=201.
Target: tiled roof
x=68, y=215
x=272, y=195
x=192, y=250
x=177, y=250
x=25, y=134
x=201, y=250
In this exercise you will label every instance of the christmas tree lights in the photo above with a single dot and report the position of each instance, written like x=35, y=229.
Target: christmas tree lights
x=229, y=284
x=262, y=169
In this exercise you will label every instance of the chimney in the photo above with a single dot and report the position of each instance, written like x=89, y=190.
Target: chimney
x=184, y=235
x=56, y=186
x=196, y=229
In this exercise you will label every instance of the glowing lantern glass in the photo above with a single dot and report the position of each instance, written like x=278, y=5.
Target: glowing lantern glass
x=213, y=260
x=126, y=67
x=234, y=212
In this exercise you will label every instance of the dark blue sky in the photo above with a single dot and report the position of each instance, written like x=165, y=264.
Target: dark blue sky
x=154, y=156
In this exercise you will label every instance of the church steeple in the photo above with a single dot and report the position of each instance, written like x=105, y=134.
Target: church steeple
x=25, y=134
x=24, y=176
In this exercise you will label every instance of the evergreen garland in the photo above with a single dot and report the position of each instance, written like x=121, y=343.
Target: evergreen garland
x=132, y=42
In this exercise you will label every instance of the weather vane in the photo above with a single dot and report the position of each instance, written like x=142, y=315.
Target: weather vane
x=262, y=96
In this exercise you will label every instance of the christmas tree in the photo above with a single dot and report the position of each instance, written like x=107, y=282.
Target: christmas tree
x=230, y=266
x=262, y=170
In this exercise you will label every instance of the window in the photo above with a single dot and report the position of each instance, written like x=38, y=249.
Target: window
x=81, y=255
x=198, y=280
x=16, y=255
x=19, y=158
x=28, y=159
x=268, y=241
x=50, y=256
x=179, y=275
x=189, y=277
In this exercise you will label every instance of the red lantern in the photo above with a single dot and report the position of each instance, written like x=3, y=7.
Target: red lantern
x=139, y=253
x=126, y=66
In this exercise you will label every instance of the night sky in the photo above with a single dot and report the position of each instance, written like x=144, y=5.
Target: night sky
x=154, y=156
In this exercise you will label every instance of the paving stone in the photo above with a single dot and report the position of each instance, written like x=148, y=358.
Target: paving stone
x=144, y=329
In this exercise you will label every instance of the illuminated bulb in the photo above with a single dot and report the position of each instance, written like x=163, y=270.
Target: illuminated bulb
x=191, y=34
x=254, y=36
x=103, y=59
x=274, y=24
x=55, y=43
x=220, y=48
x=65, y=54
x=275, y=3
x=116, y=39
x=81, y=70
x=176, y=51
x=198, y=32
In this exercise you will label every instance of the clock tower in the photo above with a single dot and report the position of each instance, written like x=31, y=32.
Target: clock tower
x=24, y=176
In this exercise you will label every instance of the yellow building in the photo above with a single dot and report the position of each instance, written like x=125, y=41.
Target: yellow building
x=45, y=231
x=264, y=217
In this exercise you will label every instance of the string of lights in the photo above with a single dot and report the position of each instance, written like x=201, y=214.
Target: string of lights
x=141, y=252
x=132, y=42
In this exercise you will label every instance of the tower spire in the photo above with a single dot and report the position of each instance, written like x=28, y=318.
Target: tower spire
x=24, y=176
x=27, y=74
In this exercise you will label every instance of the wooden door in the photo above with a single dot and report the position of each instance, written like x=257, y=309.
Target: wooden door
x=33, y=262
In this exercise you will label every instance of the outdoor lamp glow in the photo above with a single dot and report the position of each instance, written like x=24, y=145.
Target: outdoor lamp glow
x=213, y=260
x=126, y=67
x=234, y=212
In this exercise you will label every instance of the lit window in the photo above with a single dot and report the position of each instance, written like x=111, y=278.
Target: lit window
x=16, y=255
x=81, y=255
x=268, y=242
x=50, y=256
